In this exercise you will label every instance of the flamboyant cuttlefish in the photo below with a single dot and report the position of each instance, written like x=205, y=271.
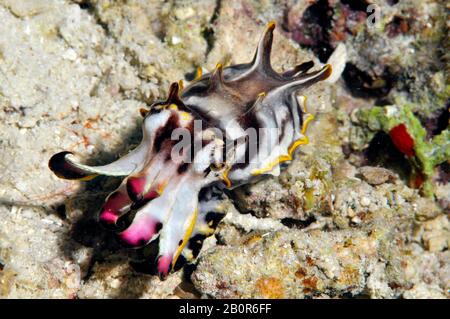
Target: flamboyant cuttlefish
x=225, y=129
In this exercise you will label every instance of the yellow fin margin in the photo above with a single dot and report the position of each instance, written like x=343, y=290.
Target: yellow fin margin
x=186, y=237
x=284, y=158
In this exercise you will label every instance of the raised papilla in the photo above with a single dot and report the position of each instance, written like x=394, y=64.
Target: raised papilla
x=250, y=120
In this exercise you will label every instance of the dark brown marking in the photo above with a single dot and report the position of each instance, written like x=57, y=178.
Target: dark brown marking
x=164, y=133
x=215, y=218
x=196, y=243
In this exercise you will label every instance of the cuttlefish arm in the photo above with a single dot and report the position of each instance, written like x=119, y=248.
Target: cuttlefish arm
x=65, y=166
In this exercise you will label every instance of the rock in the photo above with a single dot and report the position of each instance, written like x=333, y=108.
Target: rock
x=114, y=278
x=436, y=233
x=374, y=260
x=376, y=175
x=423, y=291
x=27, y=8
x=296, y=264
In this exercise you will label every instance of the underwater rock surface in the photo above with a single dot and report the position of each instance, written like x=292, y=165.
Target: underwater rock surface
x=347, y=218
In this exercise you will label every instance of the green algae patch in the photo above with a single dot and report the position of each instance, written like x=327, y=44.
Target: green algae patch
x=410, y=137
